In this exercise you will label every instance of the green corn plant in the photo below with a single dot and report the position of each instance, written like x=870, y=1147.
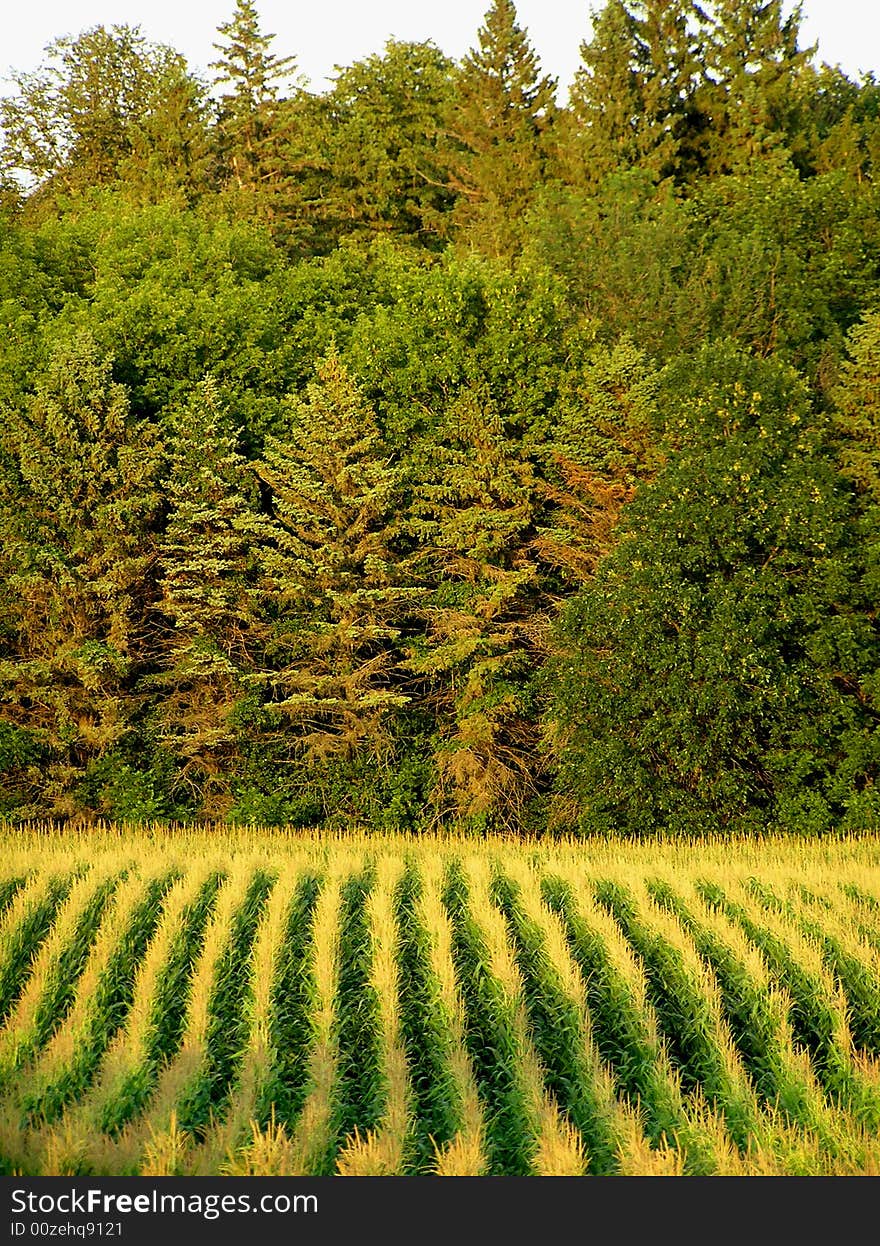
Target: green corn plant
x=26, y=922
x=458, y=1118
x=559, y=1021
x=819, y=1010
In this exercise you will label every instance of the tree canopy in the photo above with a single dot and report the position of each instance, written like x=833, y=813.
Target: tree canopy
x=432, y=449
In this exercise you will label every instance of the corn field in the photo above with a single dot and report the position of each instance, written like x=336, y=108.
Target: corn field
x=243, y=1003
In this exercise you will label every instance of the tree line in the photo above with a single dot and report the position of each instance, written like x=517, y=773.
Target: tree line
x=429, y=452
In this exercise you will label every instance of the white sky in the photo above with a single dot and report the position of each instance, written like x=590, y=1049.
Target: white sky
x=337, y=32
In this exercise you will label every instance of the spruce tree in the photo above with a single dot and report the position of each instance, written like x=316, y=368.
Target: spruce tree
x=605, y=100
x=750, y=98
x=253, y=124
x=208, y=594
x=857, y=416
x=857, y=429
x=498, y=130
x=77, y=504
x=380, y=138
x=633, y=99
x=333, y=600
x=472, y=519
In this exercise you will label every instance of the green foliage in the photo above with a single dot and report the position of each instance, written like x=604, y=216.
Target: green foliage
x=471, y=520
x=374, y=144
x=173, y=295
x=207, y=560
x=750, y=96
x=120, y=786
x=497, y=129
x=252, y=123
x=79, y=589
x=633, y=96
x=106, y=107
x=717, y=672
x=335, y=599
x=780, y=265
x=320, y=409
x=683, y=90
x=857, y=421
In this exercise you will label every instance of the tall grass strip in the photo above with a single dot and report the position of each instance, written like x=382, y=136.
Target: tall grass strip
x=282, y=1096
x=864, y=921
x=158, y=1012
x=758, y=1014
x=818, y=1012
x=314, y=1138
x=226, y=1033
x=362, y=1096
x=549, y=1144
x=156, y=1135
x=104, y=991
x=850, y=959
x=129, y=1065
x=51, y=986
x=867, y=900
x=8, y=889
x=227, y=1137
x=689, y=1007
x=255, y=1136
x=490, y=1035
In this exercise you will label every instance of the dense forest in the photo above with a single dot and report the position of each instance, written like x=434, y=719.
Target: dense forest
x=428, y=452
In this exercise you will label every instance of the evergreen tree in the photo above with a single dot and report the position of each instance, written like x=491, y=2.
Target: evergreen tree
x=78, y=500
x=606, y=441
x=253, y=122
x=472, y=519
x=498, y=130
x=857, y=427
x=378, y=132
x=633, y=99
x=171, y=143
x=857, y=418
x=208, y=593
x=753, y=65
x=333, y=598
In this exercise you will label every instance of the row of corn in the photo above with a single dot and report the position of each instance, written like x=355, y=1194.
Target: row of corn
x=387, y=1008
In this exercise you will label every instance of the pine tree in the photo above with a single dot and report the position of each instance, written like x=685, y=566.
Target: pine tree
x=208, y=594
x=856, y=422
x=379, y=139
x=252, y=124
x=857, y=417
x=472, y=519
x=78, y=501
x=605, y=100
x=498, y=130
x=333, y=599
